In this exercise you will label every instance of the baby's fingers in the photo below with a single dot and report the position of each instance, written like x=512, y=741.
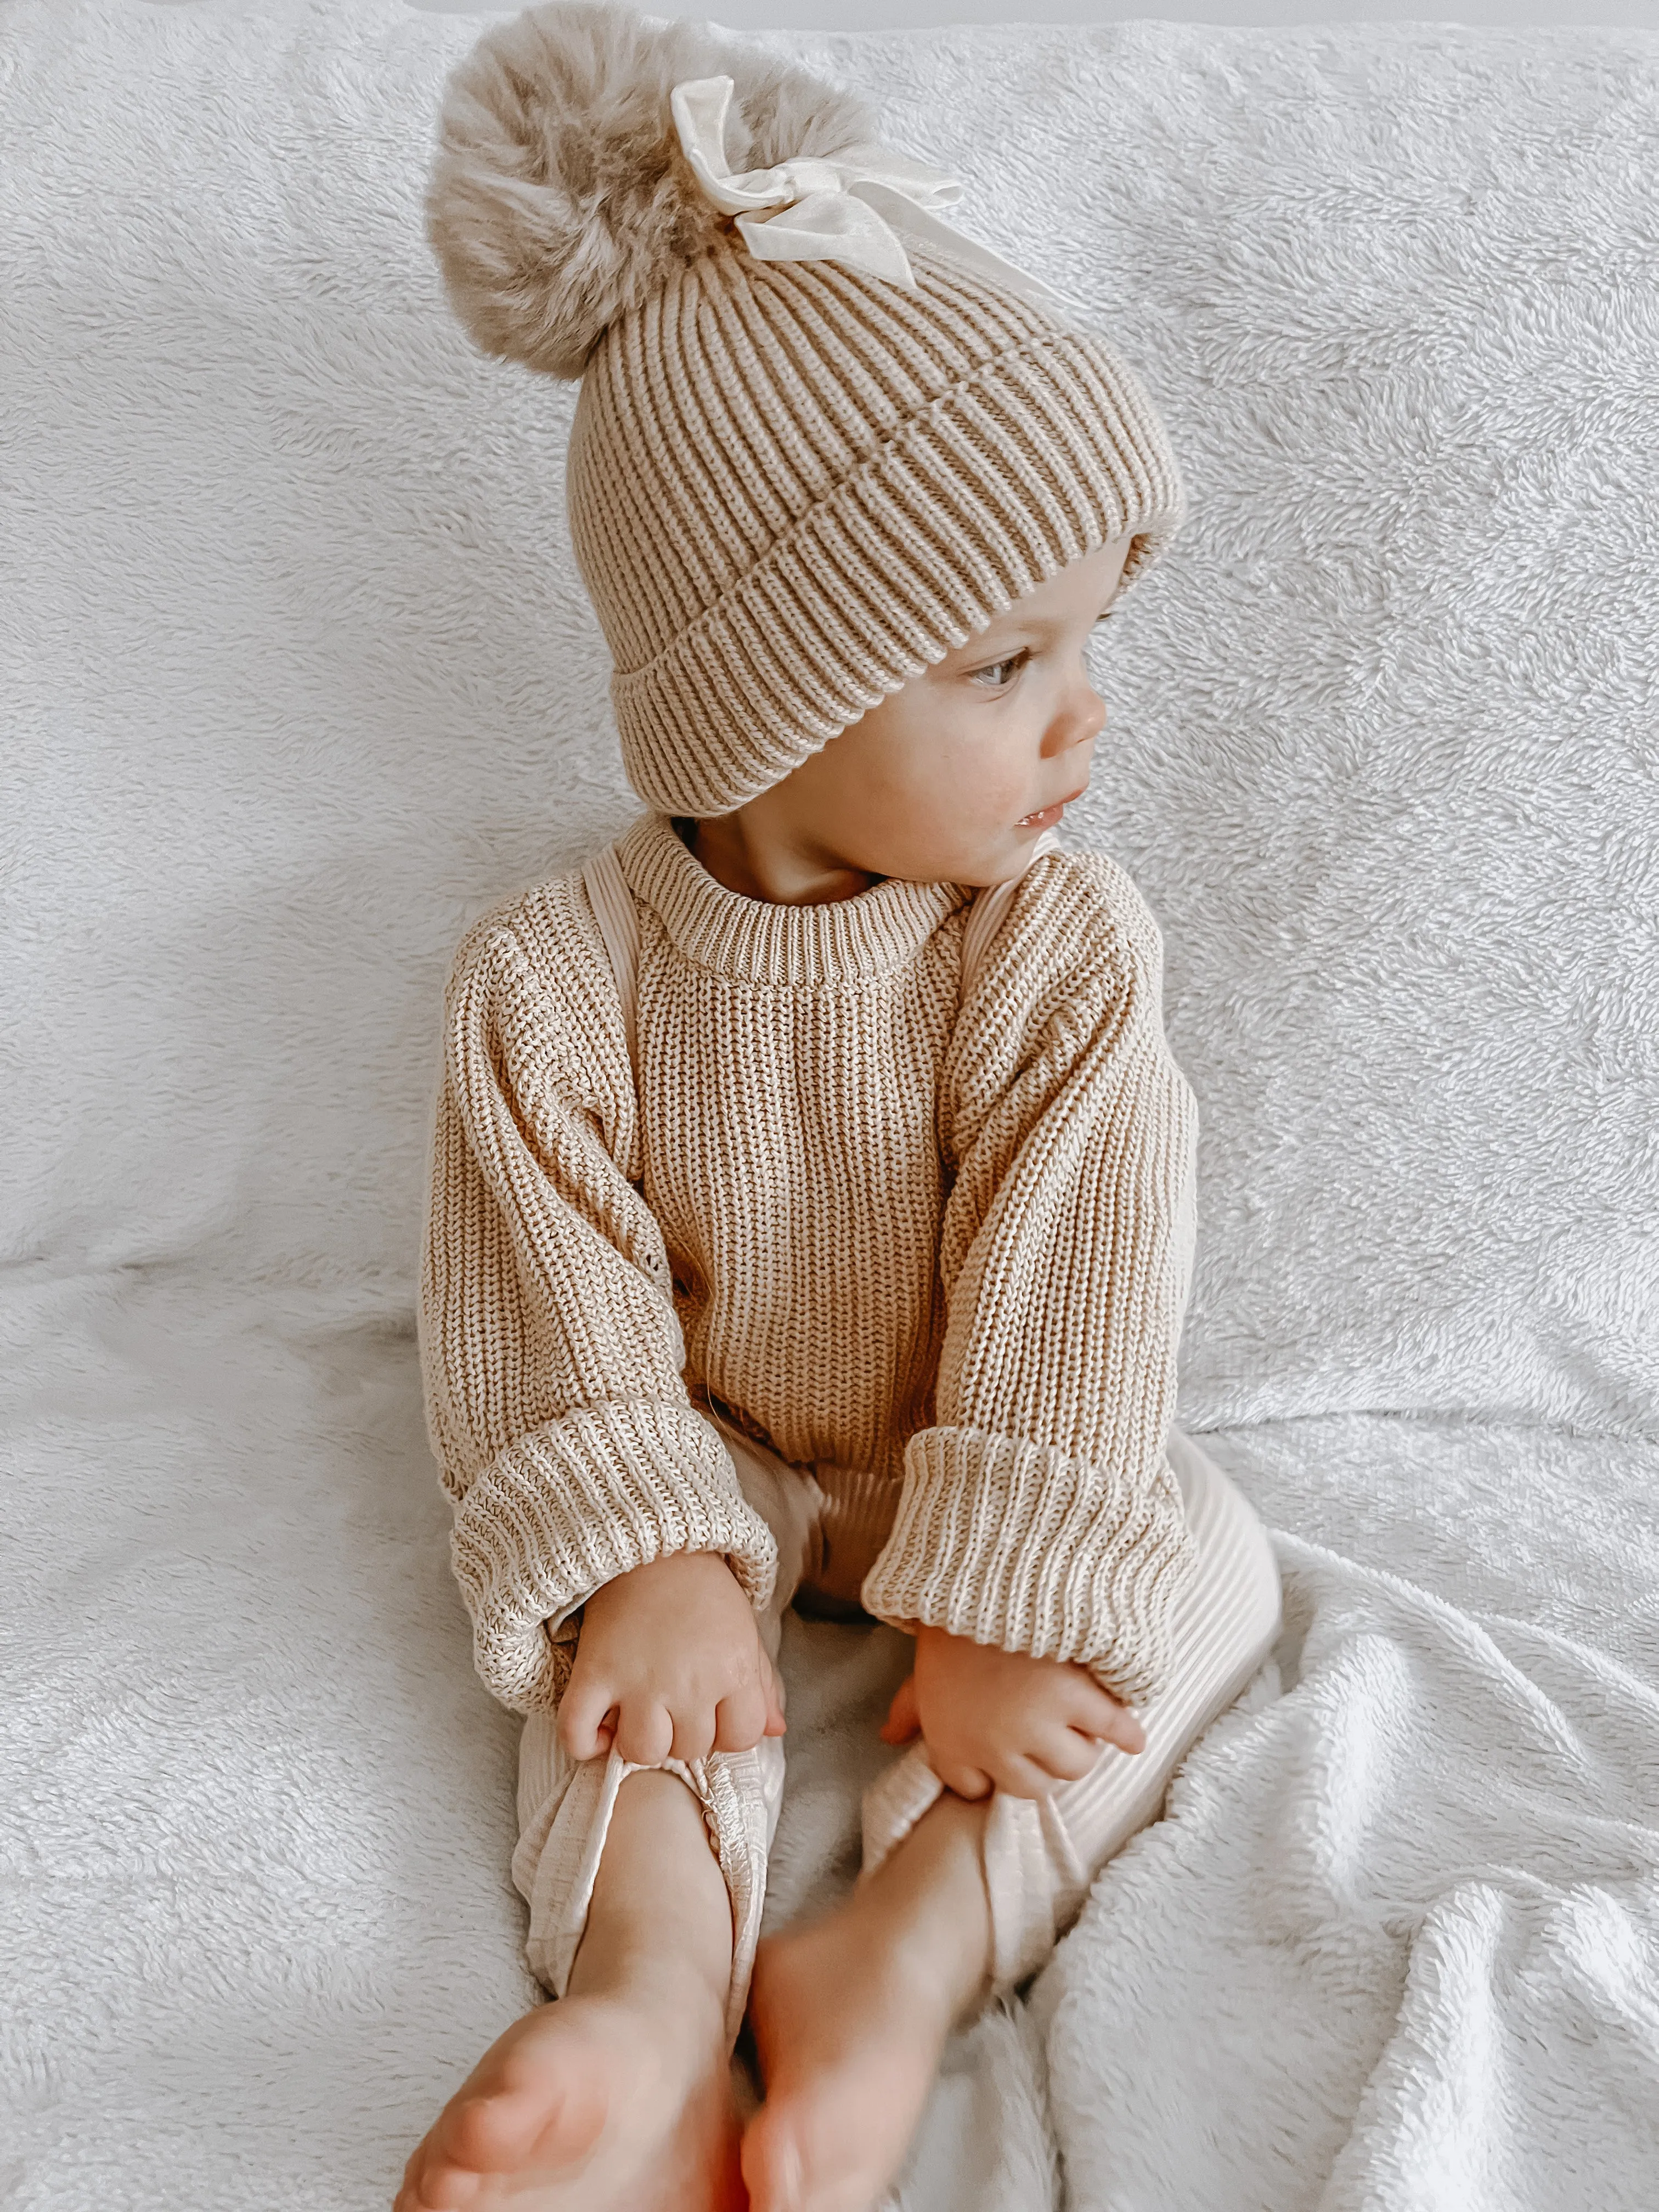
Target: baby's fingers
x=775, y=1720
x=740, y=1719
x=586, y=1714
x=645, y=1733
x=904, y=1719
x=1095, y=1713
x=1065, y=1753
x=694, y=1728
x=969, y=1782
x=1020, y=1776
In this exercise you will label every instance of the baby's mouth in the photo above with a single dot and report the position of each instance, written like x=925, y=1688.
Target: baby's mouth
x=1044, y=817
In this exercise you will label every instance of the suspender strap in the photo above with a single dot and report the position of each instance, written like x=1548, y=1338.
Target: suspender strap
x=619, y=925
x=613, y=909
x=990, y=911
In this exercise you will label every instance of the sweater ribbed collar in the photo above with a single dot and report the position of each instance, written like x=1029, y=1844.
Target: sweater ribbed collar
x=761, y=941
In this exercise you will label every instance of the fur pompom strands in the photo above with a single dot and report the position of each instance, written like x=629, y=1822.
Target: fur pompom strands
x=561, y=198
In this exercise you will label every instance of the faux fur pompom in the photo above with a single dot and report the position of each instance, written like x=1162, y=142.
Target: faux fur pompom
x=561, y=198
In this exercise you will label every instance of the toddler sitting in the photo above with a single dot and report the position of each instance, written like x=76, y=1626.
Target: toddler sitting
x=811, y=1201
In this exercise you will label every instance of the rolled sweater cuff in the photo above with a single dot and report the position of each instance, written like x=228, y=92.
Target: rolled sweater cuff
x=1015, y=1544
x=563, y=1510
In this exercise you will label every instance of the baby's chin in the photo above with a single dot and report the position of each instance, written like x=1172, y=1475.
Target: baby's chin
x=999, y=857
x=979, y=852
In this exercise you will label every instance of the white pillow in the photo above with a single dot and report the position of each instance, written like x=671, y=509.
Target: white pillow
x=304, y=676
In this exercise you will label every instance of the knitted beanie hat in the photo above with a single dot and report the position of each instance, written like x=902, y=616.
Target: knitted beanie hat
x=794, y=483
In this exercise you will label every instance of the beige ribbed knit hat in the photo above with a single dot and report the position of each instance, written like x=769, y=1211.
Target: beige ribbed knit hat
x=793, y=484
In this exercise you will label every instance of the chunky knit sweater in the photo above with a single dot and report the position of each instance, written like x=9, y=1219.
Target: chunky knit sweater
x=946, y=1245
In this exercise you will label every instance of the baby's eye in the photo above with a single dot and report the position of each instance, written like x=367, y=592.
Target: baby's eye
x=1017, y=660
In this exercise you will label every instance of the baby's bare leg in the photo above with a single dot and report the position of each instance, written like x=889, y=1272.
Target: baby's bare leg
x=617, y=2097
x=851, y=2015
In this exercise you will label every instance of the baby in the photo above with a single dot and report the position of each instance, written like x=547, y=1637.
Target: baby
x=811, y=1205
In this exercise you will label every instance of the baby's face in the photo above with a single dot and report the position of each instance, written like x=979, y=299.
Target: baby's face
x=933, y=785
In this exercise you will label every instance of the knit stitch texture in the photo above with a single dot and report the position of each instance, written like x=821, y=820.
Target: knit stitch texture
x=945, y=1246
x=912, y=464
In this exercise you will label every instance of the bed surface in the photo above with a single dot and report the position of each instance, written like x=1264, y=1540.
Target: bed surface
x=1396, y=1940
x=299, y=678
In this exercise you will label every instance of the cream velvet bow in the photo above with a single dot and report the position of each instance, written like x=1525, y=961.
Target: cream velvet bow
x=842, y=207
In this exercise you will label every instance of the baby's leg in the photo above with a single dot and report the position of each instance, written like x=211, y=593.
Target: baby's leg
x=851, y=2015
x=1042, y=1855
x=645, y=1889
x=616, y=2098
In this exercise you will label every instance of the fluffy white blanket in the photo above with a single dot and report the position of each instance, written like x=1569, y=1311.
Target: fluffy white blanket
x=299, y=676
x=1395, y=1944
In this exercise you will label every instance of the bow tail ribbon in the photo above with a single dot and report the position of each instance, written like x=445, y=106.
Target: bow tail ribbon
x=851, y=206
x=922, y=225
x=861, y=220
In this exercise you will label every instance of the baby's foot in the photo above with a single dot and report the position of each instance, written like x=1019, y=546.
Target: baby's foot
x=619, y=2102
x=850, y=2020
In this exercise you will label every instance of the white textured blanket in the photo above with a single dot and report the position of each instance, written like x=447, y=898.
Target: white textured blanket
x=1395, y=1944
x=298, y=676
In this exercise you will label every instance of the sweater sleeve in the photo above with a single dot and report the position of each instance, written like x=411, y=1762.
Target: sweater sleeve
x=550, y=1353
x=1040, y=1513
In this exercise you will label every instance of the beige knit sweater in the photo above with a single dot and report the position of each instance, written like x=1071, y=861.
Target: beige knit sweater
x=950, y=1245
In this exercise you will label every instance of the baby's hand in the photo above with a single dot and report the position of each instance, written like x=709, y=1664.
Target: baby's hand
x=1001, y=1719
x=670, y=1664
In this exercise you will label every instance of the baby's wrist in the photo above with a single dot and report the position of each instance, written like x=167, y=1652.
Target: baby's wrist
x=668, y=1570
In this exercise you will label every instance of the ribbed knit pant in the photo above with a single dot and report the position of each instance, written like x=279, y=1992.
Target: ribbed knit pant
x=1040, y=1854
